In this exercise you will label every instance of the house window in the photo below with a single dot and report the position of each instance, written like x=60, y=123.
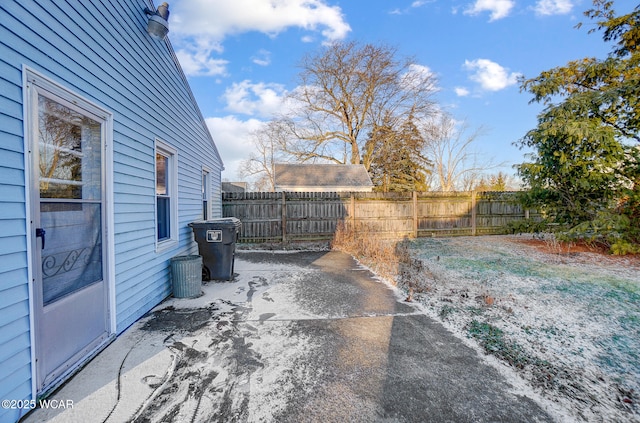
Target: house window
x=205, y=194
x=166, y=194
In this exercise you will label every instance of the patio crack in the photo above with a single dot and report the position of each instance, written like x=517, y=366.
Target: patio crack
x=267, y=317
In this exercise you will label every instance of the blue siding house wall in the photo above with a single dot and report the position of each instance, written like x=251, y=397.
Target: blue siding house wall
x=99, y=51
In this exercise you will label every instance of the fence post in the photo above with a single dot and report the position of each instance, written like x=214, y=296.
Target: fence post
x=415, y=214
x=284, y=217
x=259, y=212
x=474, y=213
x=353, y=211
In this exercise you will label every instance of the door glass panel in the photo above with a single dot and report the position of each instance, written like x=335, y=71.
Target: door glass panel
x=70, y=147
x=72, y=257
x=70, y=180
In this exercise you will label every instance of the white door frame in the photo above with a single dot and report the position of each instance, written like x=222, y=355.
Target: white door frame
x=31, y=77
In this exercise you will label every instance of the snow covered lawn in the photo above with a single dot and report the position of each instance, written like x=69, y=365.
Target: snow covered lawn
x=567, y=321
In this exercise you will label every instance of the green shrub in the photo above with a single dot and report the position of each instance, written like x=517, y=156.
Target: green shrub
x=614, y=231
x=621, y=248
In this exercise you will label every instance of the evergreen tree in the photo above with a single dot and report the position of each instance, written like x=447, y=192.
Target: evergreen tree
x=585, y=168
x=397, y=162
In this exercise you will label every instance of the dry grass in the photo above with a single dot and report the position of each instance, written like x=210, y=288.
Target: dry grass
x=366, y=246
x=390, y=259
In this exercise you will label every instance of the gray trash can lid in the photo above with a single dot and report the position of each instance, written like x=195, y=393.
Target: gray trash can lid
x=223, y=222
x=185, y=258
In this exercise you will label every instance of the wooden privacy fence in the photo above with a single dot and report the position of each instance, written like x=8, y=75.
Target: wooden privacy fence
x=313, y=216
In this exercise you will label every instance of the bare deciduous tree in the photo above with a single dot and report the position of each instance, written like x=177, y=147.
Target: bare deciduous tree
x=449, y=147
x=344, y=93
x=267, y=142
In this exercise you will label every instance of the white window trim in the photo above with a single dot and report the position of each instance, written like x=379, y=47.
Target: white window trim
x=172, y=176
x=207, y=171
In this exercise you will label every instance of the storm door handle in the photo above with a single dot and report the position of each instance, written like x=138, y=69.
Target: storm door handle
x=40, y=232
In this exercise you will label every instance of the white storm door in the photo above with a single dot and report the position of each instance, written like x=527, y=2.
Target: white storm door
x=71, y=312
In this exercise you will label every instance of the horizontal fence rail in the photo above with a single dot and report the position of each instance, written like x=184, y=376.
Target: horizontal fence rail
x=314, y=216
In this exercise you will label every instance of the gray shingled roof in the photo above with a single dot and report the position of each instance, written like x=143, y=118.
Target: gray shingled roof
x=321, y=175
x=234, y=187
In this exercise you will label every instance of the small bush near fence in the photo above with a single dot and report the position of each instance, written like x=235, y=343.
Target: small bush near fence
x=388, y=258
x=365, y=245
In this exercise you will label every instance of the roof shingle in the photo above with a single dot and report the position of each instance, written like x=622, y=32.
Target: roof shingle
x=321, y=175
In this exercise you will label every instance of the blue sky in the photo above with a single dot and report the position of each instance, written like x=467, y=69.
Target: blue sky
x=240, y=56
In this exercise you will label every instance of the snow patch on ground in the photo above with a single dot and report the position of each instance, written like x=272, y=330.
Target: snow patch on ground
x=228, y=348
x=572, y=321
x=280, y=368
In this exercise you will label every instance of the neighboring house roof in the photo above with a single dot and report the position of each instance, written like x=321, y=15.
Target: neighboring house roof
x=234, y=187
x=326, y=177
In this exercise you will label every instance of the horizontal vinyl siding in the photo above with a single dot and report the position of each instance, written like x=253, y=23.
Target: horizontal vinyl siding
x=15, y=345
x=114, y=63
x=101, y=51
x=10, y=263
x=11, y=109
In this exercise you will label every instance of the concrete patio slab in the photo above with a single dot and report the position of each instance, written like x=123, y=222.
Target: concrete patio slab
x=295, y=337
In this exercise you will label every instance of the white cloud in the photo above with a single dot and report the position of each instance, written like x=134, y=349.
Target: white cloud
x=422, y=70
x=232, y=138
x=553, y=7
x=461, y=91
x=490, y=75
x=262, y=58
x=499, y=8
x=201, y=63
x=218, y=19
x=260, y=98
x=414, y=5
x=420, y=75
x=198, y=27
x=196, y=57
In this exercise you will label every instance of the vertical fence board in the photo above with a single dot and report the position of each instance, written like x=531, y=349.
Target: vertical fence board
x=299, y=216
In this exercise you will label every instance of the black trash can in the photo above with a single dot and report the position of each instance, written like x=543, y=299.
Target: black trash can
x=216, y=240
